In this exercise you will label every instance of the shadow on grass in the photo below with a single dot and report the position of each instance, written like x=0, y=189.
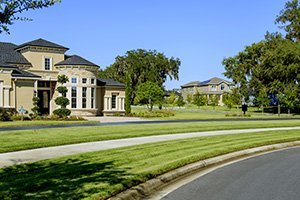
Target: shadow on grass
x=71, y=179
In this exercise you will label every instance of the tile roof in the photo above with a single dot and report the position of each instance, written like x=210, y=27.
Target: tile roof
x=193, y=83
x=42, y=43
x=9, y=56
x=109, y=82
x=20, y=73
x=76, y=60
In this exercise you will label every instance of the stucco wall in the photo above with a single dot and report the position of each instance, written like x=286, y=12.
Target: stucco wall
x=24, y=94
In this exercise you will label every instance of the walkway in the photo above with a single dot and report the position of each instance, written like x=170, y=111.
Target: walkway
x=26, y=156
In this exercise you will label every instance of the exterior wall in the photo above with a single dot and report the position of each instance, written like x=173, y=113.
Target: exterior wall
x=24, y=90
x=100, y=92
x=37, y=59
x=79, y=73
x=6, y=93
x=120, y=101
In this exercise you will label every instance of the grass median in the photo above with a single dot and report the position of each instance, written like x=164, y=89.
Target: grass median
x=101, y=174
x=30, y=139
x=42, y=123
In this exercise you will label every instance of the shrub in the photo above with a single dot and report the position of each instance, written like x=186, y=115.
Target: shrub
x=62, y=112
x=152, y=114
x=36, y=108
x=62, y=101
x=5, y=115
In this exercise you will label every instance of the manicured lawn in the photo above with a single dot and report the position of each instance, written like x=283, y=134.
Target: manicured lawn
x=99, y=175
x=40, y=123
x=30, y=139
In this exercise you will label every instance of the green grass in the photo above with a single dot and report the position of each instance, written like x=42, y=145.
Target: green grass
x=208, y=112
x=40, y=123
x=101, y=174
x=30, y=139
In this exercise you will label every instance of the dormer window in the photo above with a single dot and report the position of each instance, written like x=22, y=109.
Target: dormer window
x=47, y=63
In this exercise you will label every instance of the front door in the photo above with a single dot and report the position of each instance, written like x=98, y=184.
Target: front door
x=44, y=102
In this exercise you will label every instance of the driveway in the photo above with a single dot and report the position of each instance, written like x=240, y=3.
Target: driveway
x=13, y=158
x=273, y=176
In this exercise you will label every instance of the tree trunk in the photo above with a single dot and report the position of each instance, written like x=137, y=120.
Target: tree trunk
x=289, y=111
x=262, y=109
x=278, y=108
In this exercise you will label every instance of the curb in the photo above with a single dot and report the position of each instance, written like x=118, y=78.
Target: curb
x=142, y=190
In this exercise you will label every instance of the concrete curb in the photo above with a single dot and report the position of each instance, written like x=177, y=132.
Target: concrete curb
x=142, y=190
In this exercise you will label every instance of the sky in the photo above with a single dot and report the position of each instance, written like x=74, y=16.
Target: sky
x=200, y=33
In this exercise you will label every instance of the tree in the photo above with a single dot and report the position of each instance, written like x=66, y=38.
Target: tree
x=214, y=100
x=189, y=98
x=140, y=66
x=35, y=109
x=289, y=20
x=180, y=101
x=172, y=98
x=228, y=100
x=9, y=9
x=62, y=100
x=149, y=93
x=199, y=99
x=262, y=98
x=290, y=96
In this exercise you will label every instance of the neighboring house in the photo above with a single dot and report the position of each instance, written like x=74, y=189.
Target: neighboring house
x=213, y=86
x=31, y=69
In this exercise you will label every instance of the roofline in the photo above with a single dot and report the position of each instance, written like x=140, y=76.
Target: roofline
x=30, y=45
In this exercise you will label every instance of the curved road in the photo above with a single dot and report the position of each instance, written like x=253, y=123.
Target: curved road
x=274, y=176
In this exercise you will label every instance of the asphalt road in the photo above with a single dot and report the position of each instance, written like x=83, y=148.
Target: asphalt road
x=274, y=176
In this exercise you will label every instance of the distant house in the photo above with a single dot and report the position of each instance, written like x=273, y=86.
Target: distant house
x=213, y=86
x=31, y=69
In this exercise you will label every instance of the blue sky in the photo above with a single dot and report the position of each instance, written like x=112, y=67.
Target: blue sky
x=201, y=33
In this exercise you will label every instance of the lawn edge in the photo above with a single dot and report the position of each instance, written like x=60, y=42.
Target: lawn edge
x=147, y=188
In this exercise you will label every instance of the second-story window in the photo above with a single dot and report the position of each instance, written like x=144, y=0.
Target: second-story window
x=213, y=88
x=84, y=80
x=92, y=81
x=47, y=63
x=222, y=87
x=74, y=80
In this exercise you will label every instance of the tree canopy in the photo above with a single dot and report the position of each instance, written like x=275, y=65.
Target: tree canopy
x=9, y=10
x=140, y=66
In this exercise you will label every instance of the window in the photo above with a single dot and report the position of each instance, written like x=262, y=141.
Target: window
x=213, y=88
x=84, y=80
x=92, y=97
x=73, y=97
x=47, y=63
x=113, y=101
x=74, y=80
x=222, y=87
x=92, y=81
x=84, y=89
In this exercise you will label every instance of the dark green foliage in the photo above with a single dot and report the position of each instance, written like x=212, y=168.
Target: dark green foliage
x=289, y=20
x=5, y=115
x=153, y=114
x=214, y=100
x=149, y=93
x=62, y=112
x=9, y=10
x=35, y=109
x=139, y=66
x=262, y=98
x=62, y=100
x=63, y=90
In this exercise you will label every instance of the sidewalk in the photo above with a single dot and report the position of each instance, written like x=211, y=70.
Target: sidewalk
x=26, y=156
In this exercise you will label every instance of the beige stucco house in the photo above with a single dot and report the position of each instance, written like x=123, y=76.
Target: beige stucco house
x=31, y=69
x=213, y=86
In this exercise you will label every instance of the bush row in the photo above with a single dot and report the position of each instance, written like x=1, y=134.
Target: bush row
x=152, y=114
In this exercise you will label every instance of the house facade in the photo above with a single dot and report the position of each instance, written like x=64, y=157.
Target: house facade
x=31, y=69
x=213, y=86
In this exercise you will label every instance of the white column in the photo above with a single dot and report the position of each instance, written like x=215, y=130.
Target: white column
x=88, y=97
x=1, y=94
x=6, y=97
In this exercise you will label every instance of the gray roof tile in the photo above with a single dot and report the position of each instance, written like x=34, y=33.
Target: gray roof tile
x=109, y=82
x=9, y=56
x=76, y=60
x=42, y=43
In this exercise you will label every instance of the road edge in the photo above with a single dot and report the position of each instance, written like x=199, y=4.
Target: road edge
x=143, y=190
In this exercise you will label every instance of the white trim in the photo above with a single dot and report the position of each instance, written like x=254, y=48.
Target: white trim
x=1, y=94
x=51, y=63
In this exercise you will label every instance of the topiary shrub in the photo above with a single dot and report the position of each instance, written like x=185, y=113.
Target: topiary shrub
x=62, y=112
x=62, y=100
x=4, y=115
x=36, y=109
